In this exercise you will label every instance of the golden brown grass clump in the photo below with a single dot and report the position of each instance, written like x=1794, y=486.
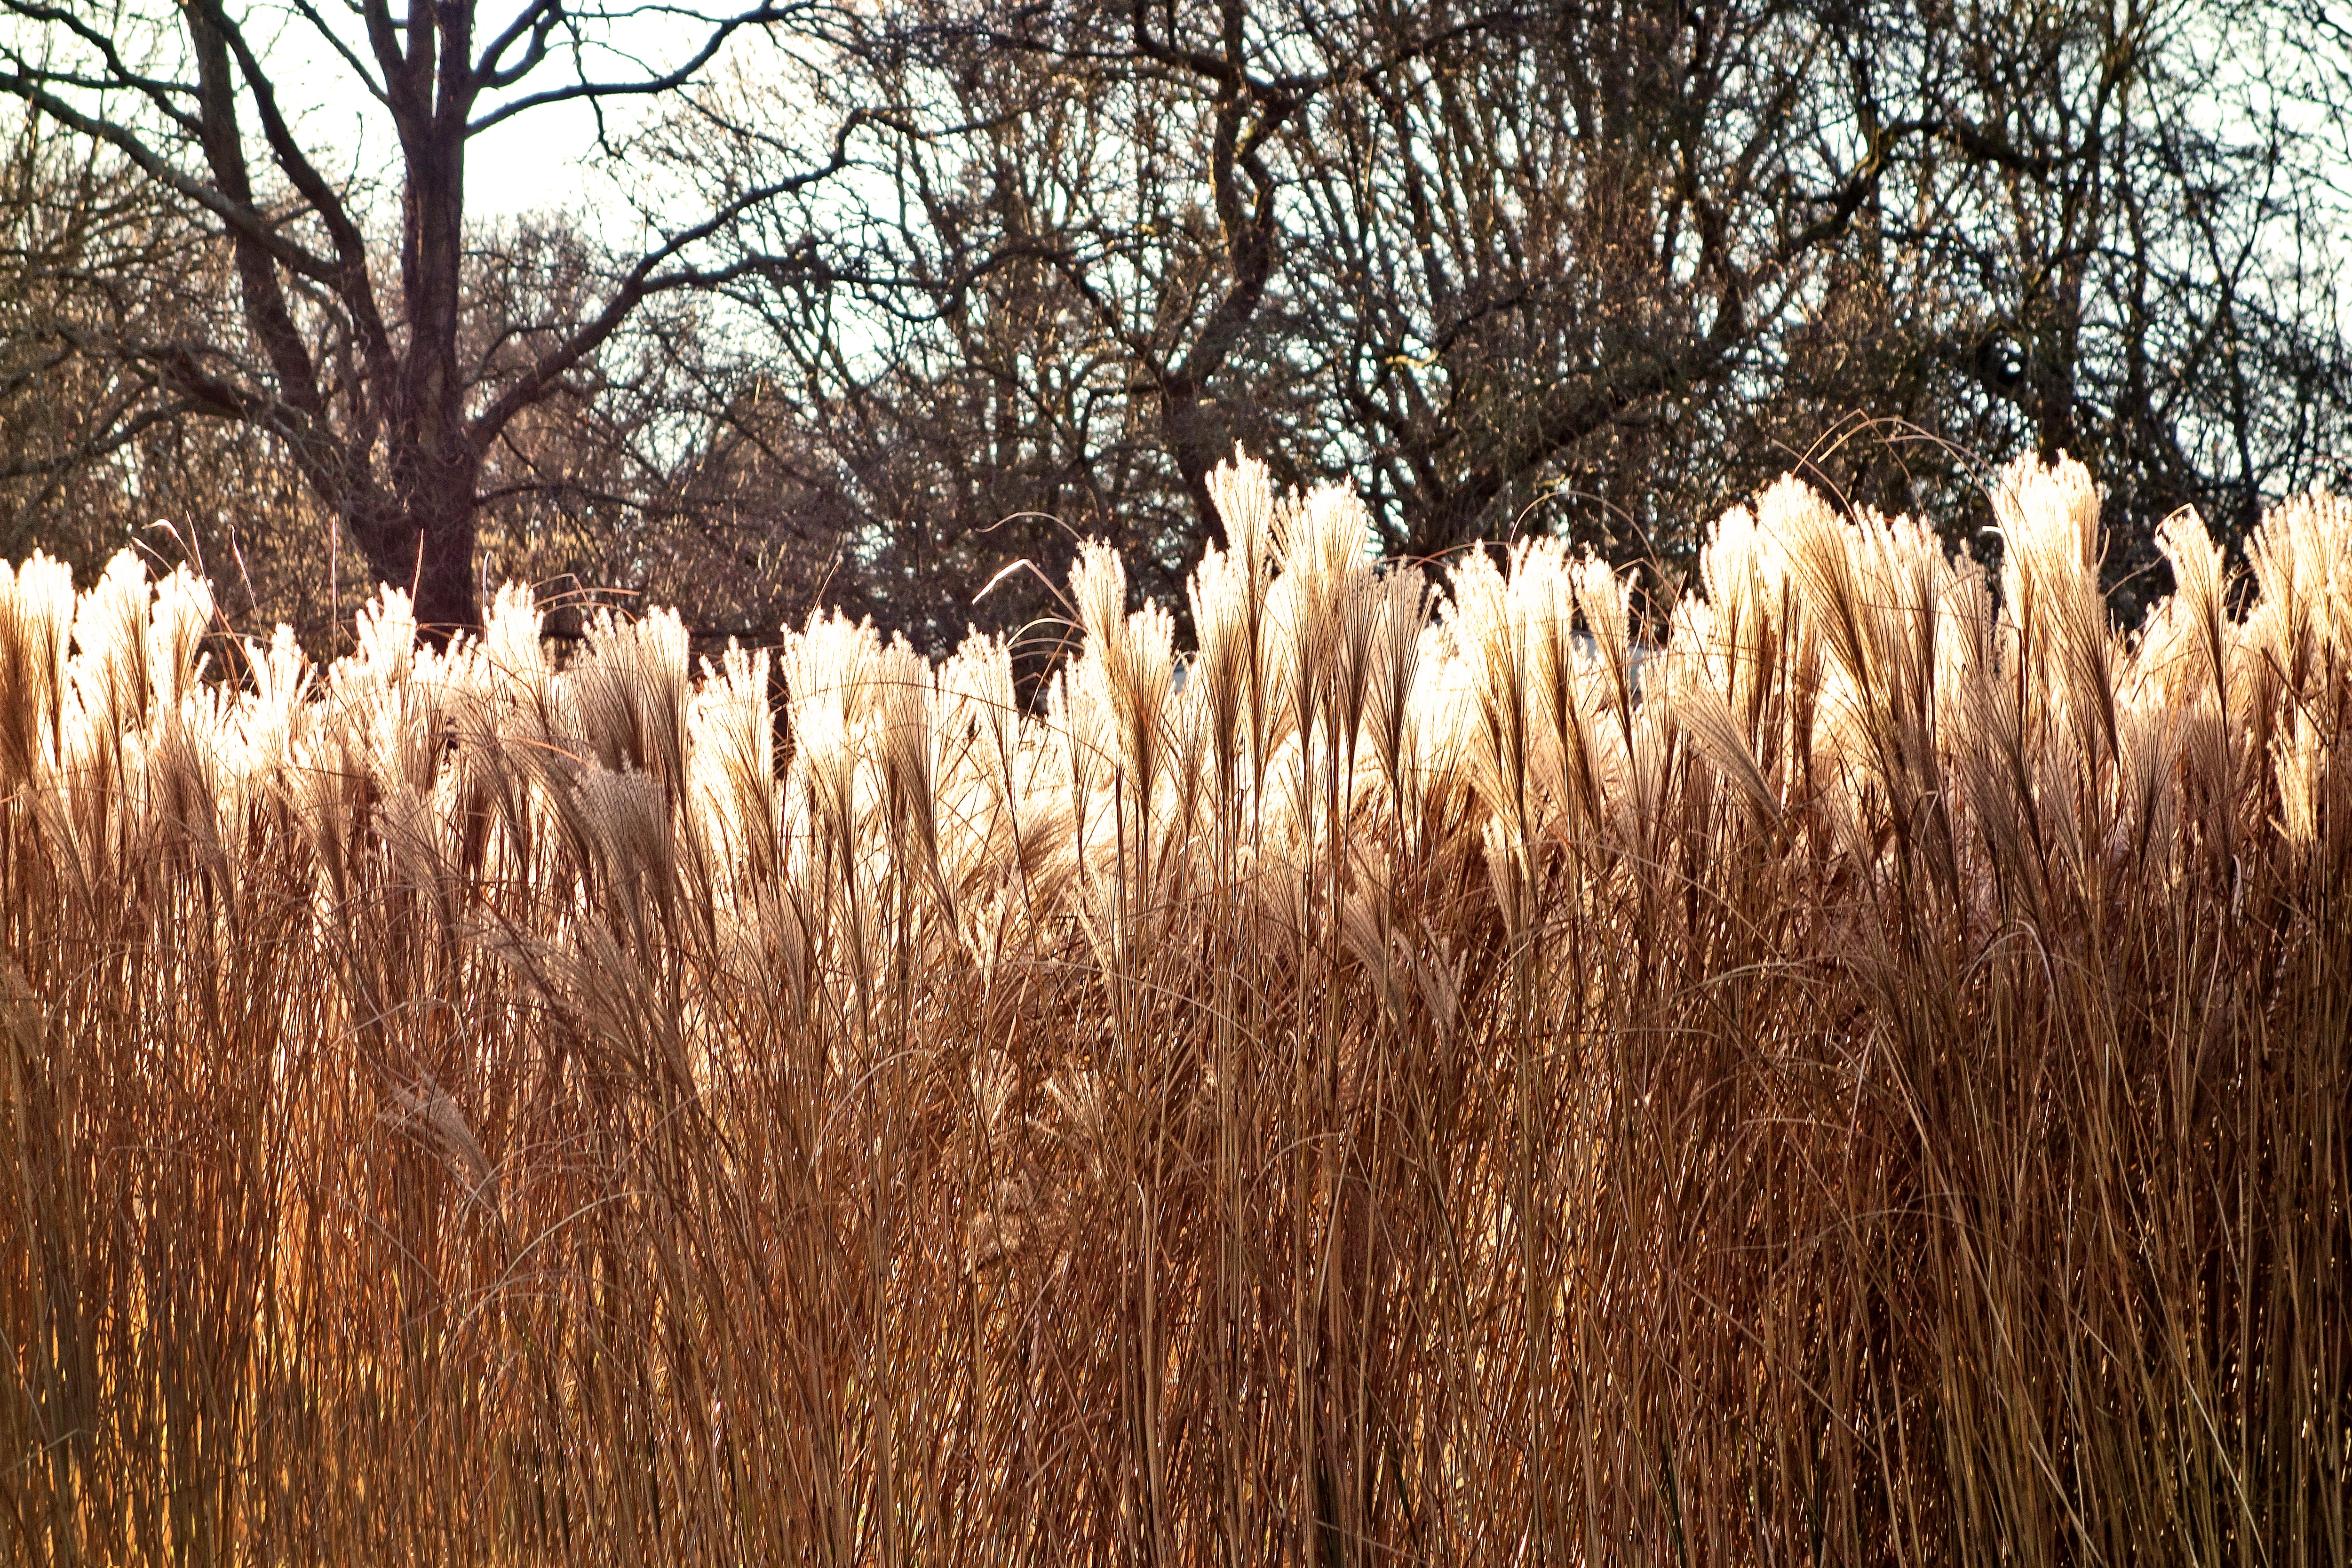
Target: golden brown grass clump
x=1432, y=1075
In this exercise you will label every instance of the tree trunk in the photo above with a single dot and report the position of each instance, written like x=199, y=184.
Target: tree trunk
x=434, y=465
x=425, y=546
x=445, y=601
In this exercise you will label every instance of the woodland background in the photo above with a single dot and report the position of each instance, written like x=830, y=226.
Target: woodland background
x=863, y=305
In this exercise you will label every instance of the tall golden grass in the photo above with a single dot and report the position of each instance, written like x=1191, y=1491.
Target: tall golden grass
x=1857, y=1078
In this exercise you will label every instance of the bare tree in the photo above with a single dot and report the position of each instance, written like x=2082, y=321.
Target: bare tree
x=1625, y=261
x=1051, y=299
x=2158, y=249
x=349, y=351
x=970, y=278
x=90, y=458
x=76, y=237
x=1532, y=268
x=1450, y=251
x=2121, y=239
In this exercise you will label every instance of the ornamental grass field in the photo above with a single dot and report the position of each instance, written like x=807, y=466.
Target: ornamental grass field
x=1851, y=1070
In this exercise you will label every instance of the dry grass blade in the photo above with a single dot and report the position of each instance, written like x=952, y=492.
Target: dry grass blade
x=1854, y=1072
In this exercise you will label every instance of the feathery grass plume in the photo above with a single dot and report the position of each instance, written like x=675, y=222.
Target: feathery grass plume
x=190, y=760
x=1151, y=742
x=630, y=831
x=104, y=733
x=1084, y=726
x=1509, y=879
x=1744, y=576
x=1242, y=492
x=2145, y=827
x=1490, y=642
x=1582, y=673
x=2297, y=636
x=2161, y=677
x=111, y=646
x=510, y=737
x=1993, y=760
x=2186, y=639
x=831, y=673
x=1696, y=668
x=1320, y=540
x=906, y=752
x=387, y=713
x=1098, y=594
x=250, y=734
x=180, y=617
x=2300, y=757
x=983, y=713
x=1129, y=663
x=993, y=830
x=1219, y=677
x=276, y=711
x=1755, y=645
x=1453, y=1090
x=37, y=611
x=1540, y=597
x=512, y=646
x=1304, y=628
x=182, y=786
x=386, y=700
x=1399, y=614
x=1628, y=743
x=384, y=652
x=105, y=737
x=629, y=690
x=2294, y=633
x=1892, y=608
x=428, y=1107
x=2049, y=521
x=1846, y=731
x=1443, y=718
x=738, y=809
x=829, y=676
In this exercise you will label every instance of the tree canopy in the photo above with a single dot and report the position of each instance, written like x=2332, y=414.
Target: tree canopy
x=356, y=337
x=887, y=298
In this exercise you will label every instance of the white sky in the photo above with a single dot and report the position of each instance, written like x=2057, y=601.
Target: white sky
x=533, y=163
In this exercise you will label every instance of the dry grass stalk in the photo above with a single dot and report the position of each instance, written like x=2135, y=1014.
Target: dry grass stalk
x=1862, y=1080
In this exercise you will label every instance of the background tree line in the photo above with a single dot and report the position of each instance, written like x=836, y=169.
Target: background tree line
x=884, y=300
